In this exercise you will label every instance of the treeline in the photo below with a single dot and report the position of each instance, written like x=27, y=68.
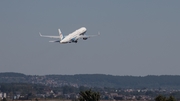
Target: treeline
x=22, y=87
x=101, y=80
x=98, y=80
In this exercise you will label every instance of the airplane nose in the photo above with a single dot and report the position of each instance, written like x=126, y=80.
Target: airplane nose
x=85, y=29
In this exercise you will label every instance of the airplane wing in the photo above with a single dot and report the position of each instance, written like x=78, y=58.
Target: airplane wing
x=55, y=41
x=88, y=36
x=49, y=36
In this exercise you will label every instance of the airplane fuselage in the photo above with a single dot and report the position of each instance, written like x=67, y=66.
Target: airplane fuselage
x=74, y=36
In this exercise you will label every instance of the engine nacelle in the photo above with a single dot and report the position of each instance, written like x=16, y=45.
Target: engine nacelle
x=85, y=38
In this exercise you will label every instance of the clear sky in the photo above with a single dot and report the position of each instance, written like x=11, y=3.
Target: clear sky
x=138, y=37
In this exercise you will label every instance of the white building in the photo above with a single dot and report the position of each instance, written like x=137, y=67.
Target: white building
x=1, y=95
x=4, y=95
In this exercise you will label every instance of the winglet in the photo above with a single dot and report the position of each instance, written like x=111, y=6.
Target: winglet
x=40, y=34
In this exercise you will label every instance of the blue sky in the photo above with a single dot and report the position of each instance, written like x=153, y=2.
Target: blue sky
x=137, y=38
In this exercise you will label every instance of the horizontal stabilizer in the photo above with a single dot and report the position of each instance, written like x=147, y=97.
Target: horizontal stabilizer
x=98, y=33
x=55, y=41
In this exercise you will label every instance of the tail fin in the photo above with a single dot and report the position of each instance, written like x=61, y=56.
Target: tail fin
x=60, y=34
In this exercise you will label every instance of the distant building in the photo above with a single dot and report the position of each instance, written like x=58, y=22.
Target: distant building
x=2, y=95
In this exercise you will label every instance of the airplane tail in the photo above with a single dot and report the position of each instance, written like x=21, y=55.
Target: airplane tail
x=60, y=34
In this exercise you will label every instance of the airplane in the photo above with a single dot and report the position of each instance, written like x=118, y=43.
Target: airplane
x=72, y=37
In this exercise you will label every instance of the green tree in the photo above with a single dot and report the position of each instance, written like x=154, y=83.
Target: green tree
x=160, y=98
x=89, y=95
x=171, y=98
x=4, y=99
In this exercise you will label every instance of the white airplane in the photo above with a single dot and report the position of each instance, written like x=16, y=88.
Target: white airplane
x=72, y=37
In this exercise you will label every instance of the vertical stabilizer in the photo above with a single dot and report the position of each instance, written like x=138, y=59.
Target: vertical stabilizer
x=60, y=34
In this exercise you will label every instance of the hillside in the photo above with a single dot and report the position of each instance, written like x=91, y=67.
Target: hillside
x=96, y=80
